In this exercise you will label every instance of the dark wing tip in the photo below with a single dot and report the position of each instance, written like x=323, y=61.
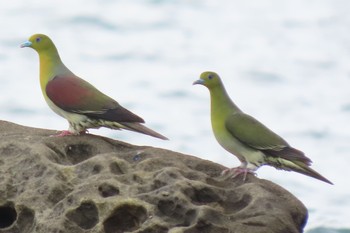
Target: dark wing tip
x=290, y=153
x=118, y=114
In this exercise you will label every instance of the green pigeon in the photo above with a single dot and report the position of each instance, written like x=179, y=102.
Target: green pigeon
x=249, y=140
x=75, y=99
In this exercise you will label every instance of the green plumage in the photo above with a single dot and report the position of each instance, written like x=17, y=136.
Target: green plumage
x=73, y=98
x=252, y=133
x=252, y=142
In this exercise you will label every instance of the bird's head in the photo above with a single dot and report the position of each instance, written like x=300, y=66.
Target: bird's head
x=38, y=42
x=209, y=79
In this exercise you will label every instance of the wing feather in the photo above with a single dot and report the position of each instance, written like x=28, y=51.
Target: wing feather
x=251, y=132
x=75, y=95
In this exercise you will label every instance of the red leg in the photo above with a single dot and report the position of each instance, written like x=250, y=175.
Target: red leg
x=68, y=133
x=237, y=171
x=62, y=134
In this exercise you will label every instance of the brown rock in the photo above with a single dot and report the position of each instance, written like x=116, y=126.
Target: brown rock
x=89, y=183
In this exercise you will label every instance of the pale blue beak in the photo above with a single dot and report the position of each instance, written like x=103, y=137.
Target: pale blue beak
x=199, y=81
x=26, y=44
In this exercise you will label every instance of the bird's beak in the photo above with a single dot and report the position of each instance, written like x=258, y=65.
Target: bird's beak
x=26, y=44
x=199, y=81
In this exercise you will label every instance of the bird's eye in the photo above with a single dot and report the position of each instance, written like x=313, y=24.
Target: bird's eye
x=210, y=77
x=38, y=39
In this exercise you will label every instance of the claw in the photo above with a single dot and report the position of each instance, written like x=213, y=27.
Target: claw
x=237, y=171
x=68, y=133
x=84, y=132
x=62, y=134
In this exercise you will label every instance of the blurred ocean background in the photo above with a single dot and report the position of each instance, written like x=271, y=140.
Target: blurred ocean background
x=285, y=62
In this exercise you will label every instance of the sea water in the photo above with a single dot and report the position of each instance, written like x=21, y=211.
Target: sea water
x=287, y=63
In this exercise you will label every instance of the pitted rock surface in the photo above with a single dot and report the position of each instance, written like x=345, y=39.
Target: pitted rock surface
x=89, y=183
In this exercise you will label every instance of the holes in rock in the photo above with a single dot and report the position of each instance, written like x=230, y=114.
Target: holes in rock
x=127, y=217
x=190, y=217
x=157, y=184
x=79, y=152
x=166, y=206
x=182, y=215
x=116, y=169
x=8, y=216
x=234, y=203
x=107, y=190
x=155, y=229
x=206, y=227
x=58, y=192
x=56, y=154
x=25, y=219
x=96, y=169
x=137, y=157
x=88, y=168
x=137, y=179
x=85, y=216
x=71, y=154
x=203, y=195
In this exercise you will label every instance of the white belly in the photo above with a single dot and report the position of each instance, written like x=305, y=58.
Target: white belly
x=254, y=158
x=74, y=119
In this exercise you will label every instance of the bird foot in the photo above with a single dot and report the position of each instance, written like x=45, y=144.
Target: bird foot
x=68, y=133
x=237, y=171
x=84, y=132
x=62, y=134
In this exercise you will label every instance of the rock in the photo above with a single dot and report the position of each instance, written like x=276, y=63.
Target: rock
x=89, y=183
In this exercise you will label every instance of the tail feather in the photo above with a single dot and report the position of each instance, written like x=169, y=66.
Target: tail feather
x=290, y=153
x=291, y=159
x=306, y=170
x=137, y=127
x=296, y=166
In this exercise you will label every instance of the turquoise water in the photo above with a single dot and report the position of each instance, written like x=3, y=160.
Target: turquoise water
x=328, y=230
x=285, y=62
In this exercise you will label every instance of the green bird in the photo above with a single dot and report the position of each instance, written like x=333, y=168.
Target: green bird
x=252, y=142
x=75, y=99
